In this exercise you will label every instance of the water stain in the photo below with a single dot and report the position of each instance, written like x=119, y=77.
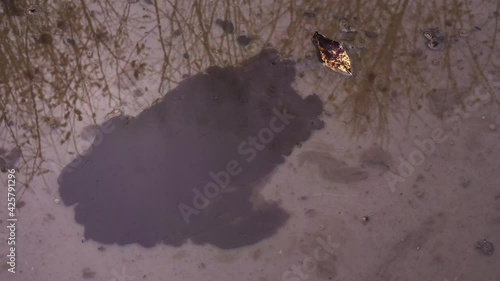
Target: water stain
x=323, y=266
x=129, y=187
x=413, y=240
x=87, y=273
x=443, y=101
x=376, y=157
x=332, y=169
x=90, y=132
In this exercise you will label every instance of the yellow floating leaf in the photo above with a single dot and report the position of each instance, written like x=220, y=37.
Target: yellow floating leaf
x=333, y=54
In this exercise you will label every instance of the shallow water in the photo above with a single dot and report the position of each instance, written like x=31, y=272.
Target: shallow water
x=205, y=140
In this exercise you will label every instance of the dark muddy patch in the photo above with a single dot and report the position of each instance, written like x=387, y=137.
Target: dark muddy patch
x=226, y=25
x=320, y=257
x=12, y=7
x=243, y=40
x=9, y=159
x=188, y=166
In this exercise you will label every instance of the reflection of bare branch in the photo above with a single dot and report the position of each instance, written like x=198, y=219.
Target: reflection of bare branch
x=74, y=62
x=165, y=56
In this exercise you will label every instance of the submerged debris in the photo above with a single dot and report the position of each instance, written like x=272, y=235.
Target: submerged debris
x=102, y=35
x=433, y=39
x=333, y=54
x=71, y=41
x=114, y=113
x=33, y=10
x=309, y=14
x=485, y=247
x=345, y=26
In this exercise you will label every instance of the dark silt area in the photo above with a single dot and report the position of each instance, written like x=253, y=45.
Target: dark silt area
x=227, y=26
x=130, y=186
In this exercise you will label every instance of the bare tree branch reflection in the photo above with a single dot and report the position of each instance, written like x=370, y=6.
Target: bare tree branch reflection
x=72, y=63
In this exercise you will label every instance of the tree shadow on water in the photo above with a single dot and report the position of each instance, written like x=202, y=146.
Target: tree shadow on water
x=233, y=124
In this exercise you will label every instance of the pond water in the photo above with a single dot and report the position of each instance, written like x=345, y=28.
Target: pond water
x=211, y=140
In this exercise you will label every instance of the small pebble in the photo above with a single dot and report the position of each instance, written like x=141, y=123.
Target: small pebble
x=435, y=45
x=33, y=10
x=492, y=127
x=420, y=194
x=371, y=34
x=433, y=39
x=464, y=33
